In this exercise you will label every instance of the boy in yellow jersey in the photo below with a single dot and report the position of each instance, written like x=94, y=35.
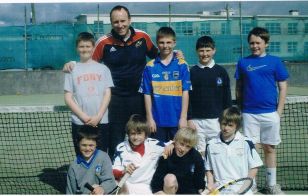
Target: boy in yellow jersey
x=165, y=86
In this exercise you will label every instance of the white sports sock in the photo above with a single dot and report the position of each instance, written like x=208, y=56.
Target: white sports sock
x=271, y=176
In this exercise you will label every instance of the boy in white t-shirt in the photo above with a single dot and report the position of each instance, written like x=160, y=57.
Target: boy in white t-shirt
x=87, y=92
x=230, y=155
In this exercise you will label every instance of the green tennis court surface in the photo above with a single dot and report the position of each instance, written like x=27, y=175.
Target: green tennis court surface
x=58, y=99
x=36, y=99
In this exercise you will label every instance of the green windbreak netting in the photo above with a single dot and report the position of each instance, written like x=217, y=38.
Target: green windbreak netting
x=49, y=46
x=12, y=50
x=46, y=46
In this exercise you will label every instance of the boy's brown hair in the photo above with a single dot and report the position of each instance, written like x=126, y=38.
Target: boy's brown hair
x=165, y=32
x=231, y=114
x=137, y=123
x=87, y=132
x=186, y=135
x=85, y=36
x=259, y=32
x=205, y=42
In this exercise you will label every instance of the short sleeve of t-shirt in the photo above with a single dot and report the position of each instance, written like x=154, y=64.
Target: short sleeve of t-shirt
x=254, y=159
x=207, y=161
x=68, y=82
x=146, y=87
x=185, y=78
x=109, y=81
x=237, y=71
x=281, y=71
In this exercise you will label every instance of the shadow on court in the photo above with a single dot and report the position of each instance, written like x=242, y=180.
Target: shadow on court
x=55, y=177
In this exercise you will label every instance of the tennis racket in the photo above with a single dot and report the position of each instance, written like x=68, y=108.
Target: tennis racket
x=234, y=187
x=89, y=187
x=116, y=190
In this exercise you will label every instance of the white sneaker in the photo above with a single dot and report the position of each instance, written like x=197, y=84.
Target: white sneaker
x=274, y=190
x=254, y=188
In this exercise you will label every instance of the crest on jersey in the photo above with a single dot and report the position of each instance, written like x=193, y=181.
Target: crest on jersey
x=155, y=76
x=176, y=75
x=98, y=170
x=219, y=81
x=192, y=168
x=166, y=75
x=138, y=43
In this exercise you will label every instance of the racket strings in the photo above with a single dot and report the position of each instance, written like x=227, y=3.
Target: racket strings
x=246, y=185
x=236, y=187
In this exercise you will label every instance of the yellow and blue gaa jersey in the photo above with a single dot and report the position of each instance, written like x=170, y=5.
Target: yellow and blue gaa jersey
x=166, y=84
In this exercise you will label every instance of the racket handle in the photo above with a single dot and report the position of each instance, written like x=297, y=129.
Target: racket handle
x=123, y=180
x=214, y=192
x=88, y=186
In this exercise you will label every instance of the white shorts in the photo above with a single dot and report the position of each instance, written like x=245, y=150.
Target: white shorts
x=262, y=128
x=138, y=188
x=206, y=130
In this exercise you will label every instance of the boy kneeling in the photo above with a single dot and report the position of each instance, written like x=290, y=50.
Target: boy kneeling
x=183, y=172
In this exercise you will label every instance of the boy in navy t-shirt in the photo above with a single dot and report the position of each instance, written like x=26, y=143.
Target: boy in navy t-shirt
x=210, y=93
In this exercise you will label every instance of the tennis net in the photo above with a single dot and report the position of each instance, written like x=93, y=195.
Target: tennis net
x=292, y=152
x=36, y=148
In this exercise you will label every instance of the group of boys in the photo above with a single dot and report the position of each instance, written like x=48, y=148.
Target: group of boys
x=188, y=116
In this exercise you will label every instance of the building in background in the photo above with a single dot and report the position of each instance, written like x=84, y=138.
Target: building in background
x=289, y=33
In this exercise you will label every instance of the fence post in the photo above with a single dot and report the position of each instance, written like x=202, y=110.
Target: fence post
x=25, y=36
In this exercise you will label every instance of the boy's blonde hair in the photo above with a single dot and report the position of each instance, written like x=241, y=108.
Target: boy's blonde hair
x=186, y=135
x=231, y=114
x=137, y=123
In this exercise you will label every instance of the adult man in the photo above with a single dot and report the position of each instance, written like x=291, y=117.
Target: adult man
x=124, y=51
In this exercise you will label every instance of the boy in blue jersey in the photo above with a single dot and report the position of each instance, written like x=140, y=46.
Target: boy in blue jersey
x=165, y=86
x=210, y=93
x=91, y=166
x=257, y=77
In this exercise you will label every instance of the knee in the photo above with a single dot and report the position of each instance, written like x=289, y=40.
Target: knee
x=268, y=148
x=170, y=184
